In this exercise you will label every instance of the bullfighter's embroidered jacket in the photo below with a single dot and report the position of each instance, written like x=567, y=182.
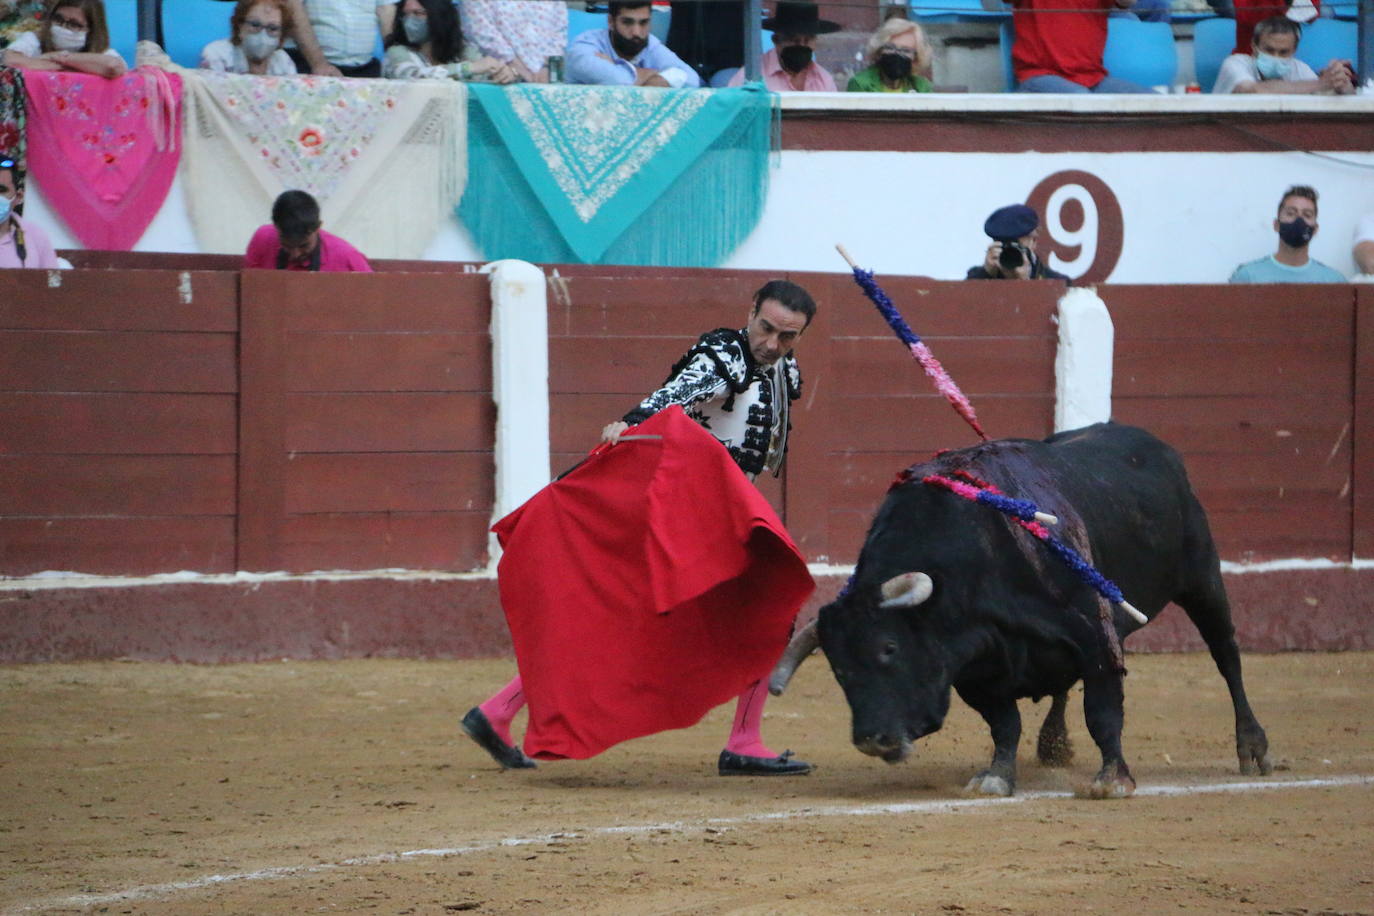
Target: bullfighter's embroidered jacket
x=720, y=385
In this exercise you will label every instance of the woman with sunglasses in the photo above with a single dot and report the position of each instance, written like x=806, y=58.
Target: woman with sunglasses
x=73, y=36
x=256, y=29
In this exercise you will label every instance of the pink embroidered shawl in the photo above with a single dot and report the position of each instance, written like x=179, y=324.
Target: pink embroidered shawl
x=104, y=151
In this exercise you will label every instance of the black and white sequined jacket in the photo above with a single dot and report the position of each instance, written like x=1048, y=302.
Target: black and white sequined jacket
x=720, y=385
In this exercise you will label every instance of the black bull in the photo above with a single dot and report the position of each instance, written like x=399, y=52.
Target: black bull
x=1000, y=618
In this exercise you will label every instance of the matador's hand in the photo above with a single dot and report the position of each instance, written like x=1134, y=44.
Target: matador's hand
x=611, y=433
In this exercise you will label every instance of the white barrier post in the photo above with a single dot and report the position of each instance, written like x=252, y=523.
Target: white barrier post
x=519, y=385
x=1083, y=362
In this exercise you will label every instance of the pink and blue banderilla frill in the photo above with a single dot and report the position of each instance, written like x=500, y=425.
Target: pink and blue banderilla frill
x=943, y=383
x=1025, y=514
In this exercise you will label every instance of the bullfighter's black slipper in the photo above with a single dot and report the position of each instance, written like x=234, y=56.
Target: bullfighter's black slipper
x=477, y=727
x=732, y=764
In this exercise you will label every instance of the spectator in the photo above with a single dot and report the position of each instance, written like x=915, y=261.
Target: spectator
x=427, y=43
x=1364, y=245
x=295, y=241
x=1271, y=68
x=1296, y=224
x=22, y=244
x=1059, y=43
x=337, y=37
x=626, y=54
x=1250, y=13
x=256, y=28
x=898, y=57
x=791, y=65
x=73, y=36
x=1014, y=230
x=522, y=34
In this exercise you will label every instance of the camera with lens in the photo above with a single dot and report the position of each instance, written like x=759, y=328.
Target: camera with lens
x=1013, y=255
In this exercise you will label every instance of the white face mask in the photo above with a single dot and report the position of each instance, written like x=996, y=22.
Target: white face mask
x=259, y=46
x=5, y=208
x=65, y=39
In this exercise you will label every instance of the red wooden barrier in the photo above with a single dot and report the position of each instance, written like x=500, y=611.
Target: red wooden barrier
x=154, y=421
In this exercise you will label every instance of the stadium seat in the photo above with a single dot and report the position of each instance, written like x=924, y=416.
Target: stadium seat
x=1006, y=35
x=662, y=19
x=580, y=21
x=1142, y=52
x=1213, y=40
x=1325, y=40
x=954, y=11
x=189, y=25
x=122, y=18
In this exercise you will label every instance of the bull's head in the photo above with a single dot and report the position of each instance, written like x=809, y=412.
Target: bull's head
x=884, y=649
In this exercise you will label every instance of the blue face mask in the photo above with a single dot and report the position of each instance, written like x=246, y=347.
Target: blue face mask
x=1273, y=68
x=5, y=208
x=416, y=29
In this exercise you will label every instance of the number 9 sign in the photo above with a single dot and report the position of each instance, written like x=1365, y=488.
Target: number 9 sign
x=1081, y=233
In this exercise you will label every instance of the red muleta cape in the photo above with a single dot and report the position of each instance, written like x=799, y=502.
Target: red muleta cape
x=644, y=588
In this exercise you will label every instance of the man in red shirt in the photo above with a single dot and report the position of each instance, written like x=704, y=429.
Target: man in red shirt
x=1059, y=44
x=295, y=241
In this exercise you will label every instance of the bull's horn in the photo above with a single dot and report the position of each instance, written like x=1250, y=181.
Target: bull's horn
x=803, y=643
x=906, y=590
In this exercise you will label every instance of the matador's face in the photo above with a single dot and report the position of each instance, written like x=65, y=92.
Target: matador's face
x=773, y=330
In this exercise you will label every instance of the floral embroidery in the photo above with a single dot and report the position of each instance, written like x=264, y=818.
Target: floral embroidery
x=595, y=140
x=12, y=115
x=307, y=130
x=105, y=151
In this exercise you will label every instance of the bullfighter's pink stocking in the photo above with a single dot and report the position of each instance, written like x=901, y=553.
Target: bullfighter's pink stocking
x=500, y=710
x=744, y=736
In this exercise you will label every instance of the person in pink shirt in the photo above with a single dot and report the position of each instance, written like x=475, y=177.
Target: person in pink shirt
x=295, y=241
x=791, y=65
x=22, y=244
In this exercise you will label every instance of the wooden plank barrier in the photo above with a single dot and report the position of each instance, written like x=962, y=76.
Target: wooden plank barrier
x=153, y=421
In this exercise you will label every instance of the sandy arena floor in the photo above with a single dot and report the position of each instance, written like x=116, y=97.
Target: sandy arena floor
x=302, y=787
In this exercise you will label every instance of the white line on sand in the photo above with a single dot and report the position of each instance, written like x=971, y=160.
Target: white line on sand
x=151, y=891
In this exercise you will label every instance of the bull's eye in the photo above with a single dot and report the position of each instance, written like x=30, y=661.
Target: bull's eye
x=887, y=652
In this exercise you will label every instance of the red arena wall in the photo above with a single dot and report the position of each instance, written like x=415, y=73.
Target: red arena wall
x=183, y=417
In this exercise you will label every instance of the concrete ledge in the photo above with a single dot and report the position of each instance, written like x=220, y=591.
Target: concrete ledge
x=231, y=619
x=819, y=103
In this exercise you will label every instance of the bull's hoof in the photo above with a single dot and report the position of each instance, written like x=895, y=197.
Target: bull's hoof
x=1109, y=788
x=1112, y=781
x=987, y=783
x=1253, y=766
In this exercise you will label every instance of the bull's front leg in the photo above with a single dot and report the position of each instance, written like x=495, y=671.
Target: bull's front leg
x=1103, y=708
x=1004, y=719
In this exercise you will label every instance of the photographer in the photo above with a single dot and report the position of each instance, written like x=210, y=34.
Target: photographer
x=1011, y=256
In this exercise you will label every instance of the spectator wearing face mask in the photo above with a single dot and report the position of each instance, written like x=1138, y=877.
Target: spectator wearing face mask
x=256, y=28
x=22, y=244
x=898, y=58
x=791, y=65
x=427, y=43
x=1296, y=223
x=1271, y=68
x=73, y=36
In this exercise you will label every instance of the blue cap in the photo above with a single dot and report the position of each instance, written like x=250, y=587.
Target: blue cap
x=1011, y=222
